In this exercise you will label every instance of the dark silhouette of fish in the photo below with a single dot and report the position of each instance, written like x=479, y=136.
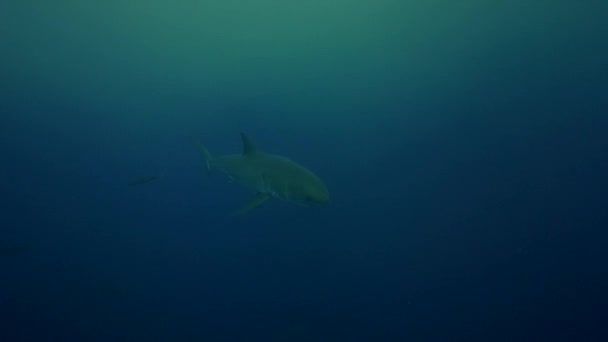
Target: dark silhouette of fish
x=143, y=180
x=11, y=251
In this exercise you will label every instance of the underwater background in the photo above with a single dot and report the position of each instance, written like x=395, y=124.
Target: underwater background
x=464, y=144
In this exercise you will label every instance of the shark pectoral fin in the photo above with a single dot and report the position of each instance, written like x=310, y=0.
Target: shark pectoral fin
x=259, y=198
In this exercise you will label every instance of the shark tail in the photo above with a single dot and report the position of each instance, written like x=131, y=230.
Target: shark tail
x=207, y=158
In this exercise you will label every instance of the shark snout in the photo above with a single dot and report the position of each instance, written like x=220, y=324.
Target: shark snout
x=320, y=196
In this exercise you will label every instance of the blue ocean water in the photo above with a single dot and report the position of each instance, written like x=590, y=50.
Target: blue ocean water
x=463, y=144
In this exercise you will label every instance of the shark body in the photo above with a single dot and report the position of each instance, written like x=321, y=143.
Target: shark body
x=269, y=175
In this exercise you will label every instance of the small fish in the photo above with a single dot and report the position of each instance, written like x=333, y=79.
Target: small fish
x=142, y=180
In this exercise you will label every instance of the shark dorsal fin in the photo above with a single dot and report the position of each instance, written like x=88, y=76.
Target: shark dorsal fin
x=249, y=147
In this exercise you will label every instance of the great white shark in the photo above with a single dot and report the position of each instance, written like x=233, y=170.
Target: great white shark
x=268, y=175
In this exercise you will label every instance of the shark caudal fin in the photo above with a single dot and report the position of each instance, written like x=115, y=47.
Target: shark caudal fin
x=207, y=158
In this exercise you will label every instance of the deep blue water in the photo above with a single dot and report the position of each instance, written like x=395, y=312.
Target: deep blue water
x=464, y=146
